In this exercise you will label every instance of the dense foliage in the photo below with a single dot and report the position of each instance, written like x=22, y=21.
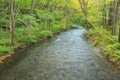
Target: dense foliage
x=103, y=15
x=27, y=21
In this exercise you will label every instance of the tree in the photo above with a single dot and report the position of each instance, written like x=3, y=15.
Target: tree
x=104, y=14
x=118, y=16
x=110, y=15
x=11, y=22
x=84, y=7
x=31, y=12
x=114, y=26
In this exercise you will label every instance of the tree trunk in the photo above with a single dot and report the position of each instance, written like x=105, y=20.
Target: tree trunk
x=114, y=27
x=104, y=19
x=110, y=18
x=118, y=16
x=84, y=7
x=31, y=12
x=11, y=22
x=119, y=35
x=33, y=5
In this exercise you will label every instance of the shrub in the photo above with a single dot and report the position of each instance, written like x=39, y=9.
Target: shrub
x=4, y=41
x=29, y=39
x=109, y=49
x=57, y=28
x=117, y=45
x=4, y=49
x=117, y=55
x=45, y=34
x=90, y=32
x=118, y=52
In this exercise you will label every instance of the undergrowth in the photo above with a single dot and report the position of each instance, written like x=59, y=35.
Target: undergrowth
x=111, y=47
x=25, y=36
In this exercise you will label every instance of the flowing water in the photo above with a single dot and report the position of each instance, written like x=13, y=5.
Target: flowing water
x=68, y=56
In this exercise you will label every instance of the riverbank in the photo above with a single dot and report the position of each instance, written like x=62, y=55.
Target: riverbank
x=8, y=58
x=107, y=43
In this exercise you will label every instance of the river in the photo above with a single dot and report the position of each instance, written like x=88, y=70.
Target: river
x=68, y=56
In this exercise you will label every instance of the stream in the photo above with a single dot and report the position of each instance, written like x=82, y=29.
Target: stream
x=67, y=56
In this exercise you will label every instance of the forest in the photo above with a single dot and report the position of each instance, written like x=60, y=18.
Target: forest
x=23, y=22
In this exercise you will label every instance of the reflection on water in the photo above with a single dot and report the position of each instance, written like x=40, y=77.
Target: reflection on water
x=69, y=56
